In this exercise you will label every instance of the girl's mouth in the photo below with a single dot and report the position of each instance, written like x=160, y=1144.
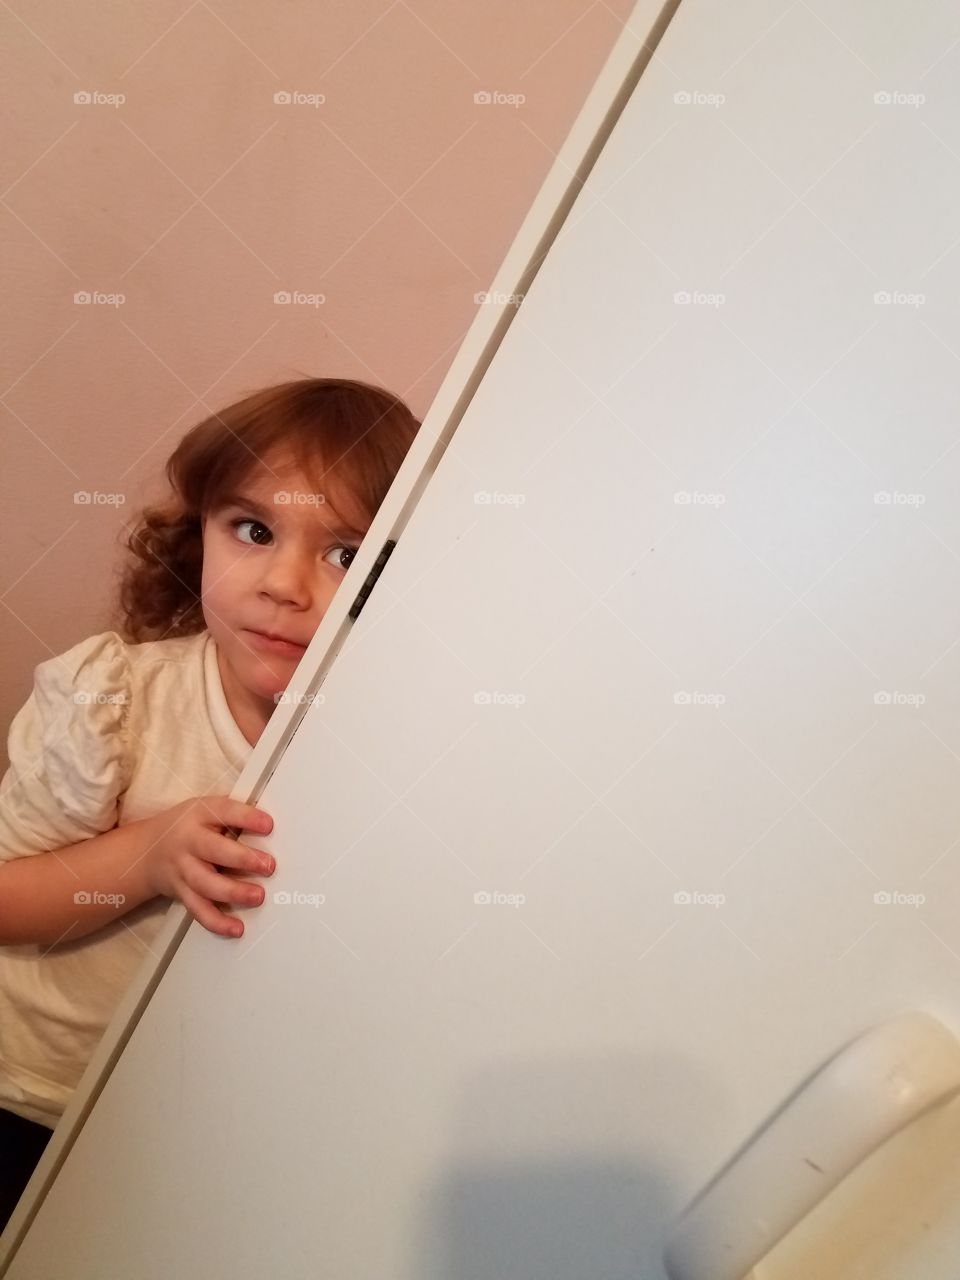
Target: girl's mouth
x=272, y=644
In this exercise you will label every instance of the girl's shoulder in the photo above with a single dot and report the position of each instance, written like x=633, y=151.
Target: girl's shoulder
x=90, y=693
x=90, y=673
x=114, y=659
x=73, y=745
x=81, y=699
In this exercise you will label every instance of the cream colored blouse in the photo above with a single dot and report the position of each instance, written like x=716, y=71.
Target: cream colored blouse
x=112, y=732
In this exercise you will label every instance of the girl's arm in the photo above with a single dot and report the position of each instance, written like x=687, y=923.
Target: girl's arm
x=182, y=852
x=66, y=868
x=70, y=892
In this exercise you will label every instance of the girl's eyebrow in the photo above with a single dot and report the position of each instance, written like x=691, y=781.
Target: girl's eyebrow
x=245, y=503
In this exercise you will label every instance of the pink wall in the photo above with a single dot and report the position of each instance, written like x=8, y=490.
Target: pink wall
x=199, y=197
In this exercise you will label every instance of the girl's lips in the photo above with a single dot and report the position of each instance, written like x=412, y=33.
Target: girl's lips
x=286, y=647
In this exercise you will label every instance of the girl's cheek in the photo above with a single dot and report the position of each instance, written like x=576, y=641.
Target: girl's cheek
x=233, y=553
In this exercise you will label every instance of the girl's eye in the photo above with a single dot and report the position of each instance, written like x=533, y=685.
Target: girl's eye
x=236, y=524
x=340, y=553
x=340, y=557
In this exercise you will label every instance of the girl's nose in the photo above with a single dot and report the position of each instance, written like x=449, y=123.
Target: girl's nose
x=287, y=578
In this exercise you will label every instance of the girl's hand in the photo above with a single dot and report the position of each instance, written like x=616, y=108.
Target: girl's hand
x=185, y=846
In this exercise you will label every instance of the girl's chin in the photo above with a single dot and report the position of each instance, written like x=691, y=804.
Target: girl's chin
x=270, y=679
x=267, y=678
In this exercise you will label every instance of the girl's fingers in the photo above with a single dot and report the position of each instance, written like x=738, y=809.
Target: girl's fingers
x=239, y=816
x=221, y=851
x=206, y=913
x=203, y=879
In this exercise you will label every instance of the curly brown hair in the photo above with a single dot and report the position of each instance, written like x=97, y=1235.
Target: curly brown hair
x=354, y=431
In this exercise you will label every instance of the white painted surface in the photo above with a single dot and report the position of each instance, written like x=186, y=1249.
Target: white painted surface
x=403, y=1083
x=887, y=1079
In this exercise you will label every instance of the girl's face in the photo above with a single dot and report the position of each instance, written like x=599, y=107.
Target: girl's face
x=273, y=556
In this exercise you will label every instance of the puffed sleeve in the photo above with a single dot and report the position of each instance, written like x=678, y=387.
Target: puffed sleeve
x=69, y=750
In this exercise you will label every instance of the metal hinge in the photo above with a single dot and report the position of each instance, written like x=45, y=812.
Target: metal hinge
x=372, y=576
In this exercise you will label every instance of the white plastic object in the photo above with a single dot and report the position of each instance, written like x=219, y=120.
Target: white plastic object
x=862, y=1096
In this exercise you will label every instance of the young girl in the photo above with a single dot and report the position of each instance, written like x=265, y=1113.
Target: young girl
x=121, y=759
